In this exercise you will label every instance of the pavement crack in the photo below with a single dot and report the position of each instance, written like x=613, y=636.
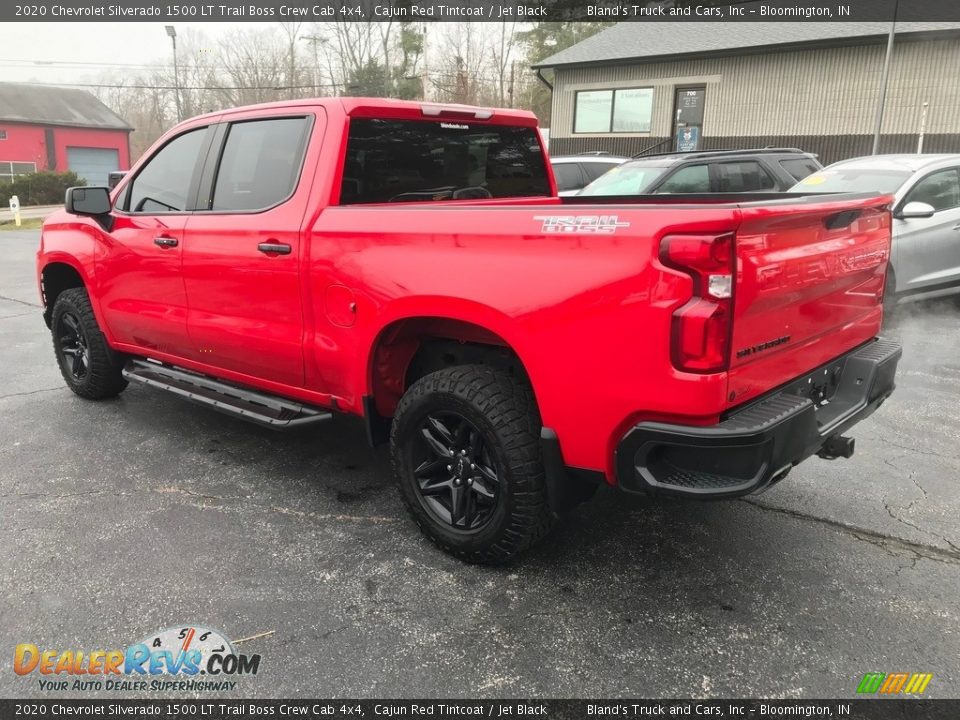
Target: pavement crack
x=279, y=509
x=888, y=543
x=33, y=392
x=912, y=448
x=20, y=302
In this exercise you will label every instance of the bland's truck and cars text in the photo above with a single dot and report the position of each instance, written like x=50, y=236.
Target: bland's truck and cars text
x=411, y=263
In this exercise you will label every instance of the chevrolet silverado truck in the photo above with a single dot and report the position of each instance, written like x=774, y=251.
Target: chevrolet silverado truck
x=411, y=263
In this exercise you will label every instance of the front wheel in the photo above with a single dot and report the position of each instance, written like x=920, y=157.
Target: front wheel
x=466, y=455
x=89, y=366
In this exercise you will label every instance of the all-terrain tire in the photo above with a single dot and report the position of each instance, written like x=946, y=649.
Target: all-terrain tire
x=88, y=365
x=502, y=413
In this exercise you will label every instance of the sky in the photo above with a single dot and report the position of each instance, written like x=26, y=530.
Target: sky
x=69, y=44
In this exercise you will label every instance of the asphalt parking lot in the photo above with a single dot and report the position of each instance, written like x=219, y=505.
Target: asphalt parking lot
x=124, y=517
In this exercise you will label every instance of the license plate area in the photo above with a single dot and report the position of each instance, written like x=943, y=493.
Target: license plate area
x=819, y=386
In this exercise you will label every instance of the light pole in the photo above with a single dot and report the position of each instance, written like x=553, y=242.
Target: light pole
x=172, y=33
x=881, y=102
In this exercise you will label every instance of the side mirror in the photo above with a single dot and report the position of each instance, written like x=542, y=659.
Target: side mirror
x=90, y=201
x=916, y=210
x=114, y=178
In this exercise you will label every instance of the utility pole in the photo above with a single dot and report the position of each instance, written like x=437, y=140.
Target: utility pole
x=881, y=102
x=313, y=40
x=513, y=71
x=172, y=33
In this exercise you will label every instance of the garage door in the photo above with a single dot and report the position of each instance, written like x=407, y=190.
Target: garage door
x=93, y=164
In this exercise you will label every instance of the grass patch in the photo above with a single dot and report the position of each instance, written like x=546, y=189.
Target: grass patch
x=25, y=224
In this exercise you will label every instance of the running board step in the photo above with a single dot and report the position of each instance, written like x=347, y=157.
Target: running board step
x=264, y=409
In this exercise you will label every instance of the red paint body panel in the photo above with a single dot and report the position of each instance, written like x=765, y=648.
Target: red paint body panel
x=588, y=313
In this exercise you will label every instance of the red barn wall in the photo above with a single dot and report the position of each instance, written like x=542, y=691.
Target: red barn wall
x=24, y=143
x=27, y=143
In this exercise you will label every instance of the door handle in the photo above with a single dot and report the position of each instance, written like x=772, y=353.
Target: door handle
x=956, y=227
x=274, y=248
x=165, y=241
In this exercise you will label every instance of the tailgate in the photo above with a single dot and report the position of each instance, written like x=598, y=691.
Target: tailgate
x=809, y=287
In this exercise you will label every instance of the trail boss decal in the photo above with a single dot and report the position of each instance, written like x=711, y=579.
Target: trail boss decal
x=598, y=224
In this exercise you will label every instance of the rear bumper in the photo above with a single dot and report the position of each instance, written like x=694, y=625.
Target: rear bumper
x=756, y=445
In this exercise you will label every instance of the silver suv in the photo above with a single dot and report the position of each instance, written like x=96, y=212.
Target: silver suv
x=926, y=214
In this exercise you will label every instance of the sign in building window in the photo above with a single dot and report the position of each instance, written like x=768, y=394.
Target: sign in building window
x=627, y=110
x=9, y=170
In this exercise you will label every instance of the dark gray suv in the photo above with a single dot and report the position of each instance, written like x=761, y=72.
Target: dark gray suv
x=714, y=171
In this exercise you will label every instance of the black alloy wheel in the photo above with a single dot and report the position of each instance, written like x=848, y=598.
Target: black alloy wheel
x=465, y=448
x=73, y=347
x=90, y=367
x=455, y=473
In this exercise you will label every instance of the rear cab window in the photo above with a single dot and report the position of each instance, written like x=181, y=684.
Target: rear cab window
x=428, y=161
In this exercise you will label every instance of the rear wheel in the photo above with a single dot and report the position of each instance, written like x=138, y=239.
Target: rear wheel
x=466, y=455
x=91, y=369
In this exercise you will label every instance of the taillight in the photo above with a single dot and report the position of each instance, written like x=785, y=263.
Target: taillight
x=700, y=332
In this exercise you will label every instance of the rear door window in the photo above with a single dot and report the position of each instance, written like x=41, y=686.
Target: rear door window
x=260, y=163
x=568, y=176
x=743, y=176
x=689, y=179
x=423, y=161
x=799, y=168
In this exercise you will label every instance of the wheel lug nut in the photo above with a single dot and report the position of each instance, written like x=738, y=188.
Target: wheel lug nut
x=472, y=466
x=449, y=467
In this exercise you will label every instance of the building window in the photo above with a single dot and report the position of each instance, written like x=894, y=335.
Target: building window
x=10, y=170
x=627, y=110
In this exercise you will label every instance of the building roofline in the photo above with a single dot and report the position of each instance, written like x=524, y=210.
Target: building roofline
x=848, y=41
x=78, y=126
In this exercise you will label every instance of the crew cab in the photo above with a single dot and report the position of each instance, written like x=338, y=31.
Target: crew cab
x=411, y=263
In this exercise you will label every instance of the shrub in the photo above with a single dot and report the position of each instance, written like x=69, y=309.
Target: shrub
x=40, y=188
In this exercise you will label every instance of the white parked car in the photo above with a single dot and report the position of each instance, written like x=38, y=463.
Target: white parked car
x=574, y=172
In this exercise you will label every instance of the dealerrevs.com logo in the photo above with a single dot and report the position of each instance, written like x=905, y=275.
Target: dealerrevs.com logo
x=190, y=658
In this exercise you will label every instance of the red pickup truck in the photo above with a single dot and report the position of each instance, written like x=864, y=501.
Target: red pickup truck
x=412, y=264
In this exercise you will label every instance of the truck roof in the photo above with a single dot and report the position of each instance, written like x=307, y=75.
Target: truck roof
x=380, y=107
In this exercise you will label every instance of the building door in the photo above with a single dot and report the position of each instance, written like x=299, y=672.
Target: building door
x=688, y=118
x=93, y=164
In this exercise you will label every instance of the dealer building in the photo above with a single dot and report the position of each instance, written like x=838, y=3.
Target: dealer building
x=53, y=128
x=665, y=86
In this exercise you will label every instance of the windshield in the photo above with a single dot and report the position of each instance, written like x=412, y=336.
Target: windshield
x=627, y=179
x=852, y=179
